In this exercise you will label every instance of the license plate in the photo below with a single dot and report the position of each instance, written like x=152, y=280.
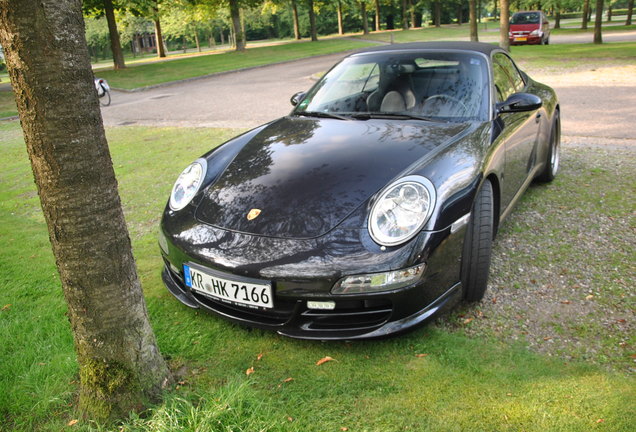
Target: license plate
x=237, y=290
x=521, y=39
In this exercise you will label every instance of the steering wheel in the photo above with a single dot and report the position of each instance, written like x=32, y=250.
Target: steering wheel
x=445, y=97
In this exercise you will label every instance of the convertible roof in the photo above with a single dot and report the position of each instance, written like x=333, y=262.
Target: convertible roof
x=483, y=48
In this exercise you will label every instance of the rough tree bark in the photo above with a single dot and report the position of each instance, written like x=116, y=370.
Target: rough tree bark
x=504, y=24
x=377, y=15
x=235, y=12
x=312, y=21
x=115, y=45
x=598, y=21
x=120, y=366
x=472, y=11
x=296, y=23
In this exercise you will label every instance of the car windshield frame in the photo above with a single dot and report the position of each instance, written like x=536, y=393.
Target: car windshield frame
x=435, y=85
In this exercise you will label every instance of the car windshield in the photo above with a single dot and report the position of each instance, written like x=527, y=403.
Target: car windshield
x=525, y=18
x=435, y=85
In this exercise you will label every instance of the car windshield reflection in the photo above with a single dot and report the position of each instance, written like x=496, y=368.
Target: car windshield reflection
x=446, y=86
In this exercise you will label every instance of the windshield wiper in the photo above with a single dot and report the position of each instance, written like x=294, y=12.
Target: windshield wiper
x=321, y=114
x=402, y=116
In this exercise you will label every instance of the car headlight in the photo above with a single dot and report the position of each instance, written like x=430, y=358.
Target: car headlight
x=188, y=184
x=375, y=282
x=401, y=210
x=536, y=32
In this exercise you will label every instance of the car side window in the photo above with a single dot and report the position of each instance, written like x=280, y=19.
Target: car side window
x=507, y=78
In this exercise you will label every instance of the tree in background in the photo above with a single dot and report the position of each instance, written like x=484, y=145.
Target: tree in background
x=598, y=22
x=120, y=367
x=312, y=21
x=630, y=11
x=364, y=17
x=376, y=4
x=107, y=8
x=504, y=24
x=472, y=8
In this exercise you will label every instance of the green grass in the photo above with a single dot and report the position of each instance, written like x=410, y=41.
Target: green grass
x=590, y=29
x=426, y=34
x=189, y=67
x=462, y=384
x=7, y=104
x=575, y=55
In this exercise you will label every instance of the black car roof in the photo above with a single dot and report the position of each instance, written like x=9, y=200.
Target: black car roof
x=480, y=47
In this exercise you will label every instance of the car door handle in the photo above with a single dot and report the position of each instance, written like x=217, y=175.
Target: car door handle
x=537, y=119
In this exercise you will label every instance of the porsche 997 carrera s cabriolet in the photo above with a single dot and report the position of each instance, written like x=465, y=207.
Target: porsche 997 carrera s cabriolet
x=372, y=205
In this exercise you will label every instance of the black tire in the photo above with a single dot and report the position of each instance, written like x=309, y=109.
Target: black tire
x=105, y=99
x=553, y=157
x=478, y=245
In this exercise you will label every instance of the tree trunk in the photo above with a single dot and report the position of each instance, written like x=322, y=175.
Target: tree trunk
x=339, y=12
x=504, y=24
x=296, y=24
x=365, y=18
x=115, y=45
x=377, y=15
x=196, y=41
x=239, y=40
x=312, y=21
x=598, y=21
x=557, y=19
x=120, y=367
x=609, y=13
x=405, y=19
x=586, y=11
x=472, y=11
x=412, y=12
x=460, y=14
x=630, y=11
x=437, y=14
x=161, y=49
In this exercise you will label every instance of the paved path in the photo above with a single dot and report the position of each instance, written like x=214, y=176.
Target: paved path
x=595, y=103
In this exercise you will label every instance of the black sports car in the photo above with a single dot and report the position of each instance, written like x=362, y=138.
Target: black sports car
x=373, y=204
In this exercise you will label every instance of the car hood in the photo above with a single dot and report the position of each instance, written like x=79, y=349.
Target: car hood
x=300, y=177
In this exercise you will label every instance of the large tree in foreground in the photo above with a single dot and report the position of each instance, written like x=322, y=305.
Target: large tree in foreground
x=120, y=366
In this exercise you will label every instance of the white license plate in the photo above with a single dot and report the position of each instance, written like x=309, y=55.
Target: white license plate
x=241, y=291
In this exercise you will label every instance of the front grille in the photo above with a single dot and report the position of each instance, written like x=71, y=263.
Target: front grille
x=348, y=316
x=282, y=312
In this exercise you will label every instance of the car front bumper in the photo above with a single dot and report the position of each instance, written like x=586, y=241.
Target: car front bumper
x=306, y=270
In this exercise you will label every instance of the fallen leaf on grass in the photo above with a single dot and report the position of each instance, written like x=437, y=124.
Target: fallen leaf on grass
x=259, y=357
x=324, y=360
x=547, y=338
x=286, y=380
x=249, y=372
x=290, y=419
x=344, y=428
x=6, y=307
x=565, y=302
x=600, y=421
x=421, y=355
x=72, y=422
x=468, y=320
x=589, y=297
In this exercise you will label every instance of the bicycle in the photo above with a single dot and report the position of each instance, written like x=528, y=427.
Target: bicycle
x=103, y=91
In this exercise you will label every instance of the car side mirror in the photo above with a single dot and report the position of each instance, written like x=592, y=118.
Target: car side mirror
x=520, y=102
x=297, y=98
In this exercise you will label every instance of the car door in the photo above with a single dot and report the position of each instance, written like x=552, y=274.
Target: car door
x=519, y=130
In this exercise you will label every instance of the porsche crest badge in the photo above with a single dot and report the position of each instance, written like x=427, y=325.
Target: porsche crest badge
x=253, y=214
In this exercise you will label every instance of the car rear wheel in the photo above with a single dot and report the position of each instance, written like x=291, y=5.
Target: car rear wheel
x=478, y=245
x=553, y=158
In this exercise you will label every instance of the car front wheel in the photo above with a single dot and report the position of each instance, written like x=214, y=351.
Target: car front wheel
x=554, y=152
x=478, y=245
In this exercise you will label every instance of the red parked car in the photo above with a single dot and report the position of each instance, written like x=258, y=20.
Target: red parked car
x=530, y=28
